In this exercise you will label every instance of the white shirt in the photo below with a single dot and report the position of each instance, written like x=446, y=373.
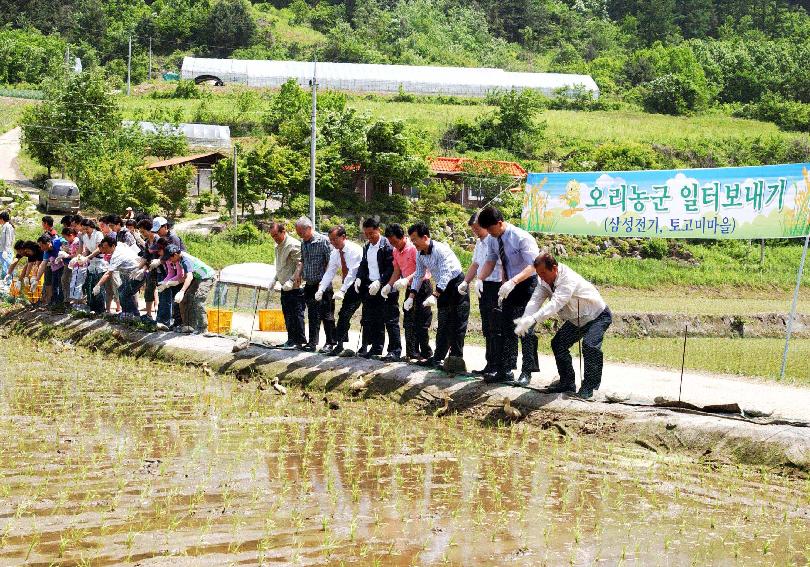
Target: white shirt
x=480, y=258
x=573, y=299
x=90, y=244
x=371, y=258
x=352, y=253
x=124, y=260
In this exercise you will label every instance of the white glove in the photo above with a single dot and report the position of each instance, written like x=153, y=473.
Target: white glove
x=408, y=304
x=97, y=289
x=33, y=287
x=162, y=287
x=385, y=291
x=154, y=264
x=401, y=284
x=139, y=274
x=374, y=288
x=523, y=324
x=62, y=254
x=17, y=286
x=288, y=285
x=318, y=295
x=340, y=294
x=356, y=285
x=274, y=285
x=26, y=281
x=178, y=297
x=479, y=287
x=430, y=301
x=463, y=288
x=505, y=290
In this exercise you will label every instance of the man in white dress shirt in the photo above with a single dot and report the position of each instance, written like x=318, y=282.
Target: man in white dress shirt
x=345, y=259
x=565, y=293
x=453, y=307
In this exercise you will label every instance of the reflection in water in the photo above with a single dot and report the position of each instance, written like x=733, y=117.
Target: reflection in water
x=120, y=461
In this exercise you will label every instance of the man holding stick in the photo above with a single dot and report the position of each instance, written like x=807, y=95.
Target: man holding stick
x=585, y=314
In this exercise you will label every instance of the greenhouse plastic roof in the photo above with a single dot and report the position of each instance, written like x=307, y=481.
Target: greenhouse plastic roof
x=198, y=135
x=468, y=81
x=251, y=274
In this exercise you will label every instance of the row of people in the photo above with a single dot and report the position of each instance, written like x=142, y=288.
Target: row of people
x=518, y=286
x=107, y=264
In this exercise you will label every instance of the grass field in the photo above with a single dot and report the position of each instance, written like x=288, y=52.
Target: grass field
x=434, y=119
x=10, y=111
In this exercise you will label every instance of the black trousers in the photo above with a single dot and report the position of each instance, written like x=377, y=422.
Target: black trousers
x=487, y=304
x=317, y=311
x=381, y=316
x=591, y=334
x=293, y=306
x=454, y=313
x=351, y=302
x=506, y=346
x=417, y=321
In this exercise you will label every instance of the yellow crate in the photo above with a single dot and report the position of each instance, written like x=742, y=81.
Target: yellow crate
x=219, y=320
x=271, y=320
x=37, y=295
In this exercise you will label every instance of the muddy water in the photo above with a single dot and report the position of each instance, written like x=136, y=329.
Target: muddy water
x=129, y=462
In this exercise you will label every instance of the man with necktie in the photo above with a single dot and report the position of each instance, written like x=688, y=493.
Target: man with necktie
x=453, y=307
x=380, y=301
x=345, y=257
x=516, y=249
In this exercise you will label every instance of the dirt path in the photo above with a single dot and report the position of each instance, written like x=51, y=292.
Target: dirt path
x=200, y=226
x=643, y=383
x=9, y=150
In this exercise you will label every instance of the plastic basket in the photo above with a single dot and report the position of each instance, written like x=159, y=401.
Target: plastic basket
x=37, y=295
x=219, y=320
x=271, y=320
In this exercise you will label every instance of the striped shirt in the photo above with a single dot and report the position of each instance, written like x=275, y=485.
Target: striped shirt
x=315, y=257
x=442, y=263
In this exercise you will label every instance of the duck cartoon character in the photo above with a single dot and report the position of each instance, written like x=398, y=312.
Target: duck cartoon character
x=571, y=198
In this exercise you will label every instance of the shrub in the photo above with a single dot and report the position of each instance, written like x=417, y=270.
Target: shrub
x=656, y=248
x=186, y=88
x=244, y=233
x=672, y=94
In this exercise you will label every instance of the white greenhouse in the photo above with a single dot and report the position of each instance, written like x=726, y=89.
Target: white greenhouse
x=460, y=81
x=198, y=135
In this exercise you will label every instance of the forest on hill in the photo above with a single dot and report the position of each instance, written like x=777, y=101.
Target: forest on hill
x=748, y=58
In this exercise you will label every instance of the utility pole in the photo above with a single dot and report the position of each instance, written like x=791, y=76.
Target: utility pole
x=150, y=57
x=129, y=65
x=235, y=214
x=313, y=135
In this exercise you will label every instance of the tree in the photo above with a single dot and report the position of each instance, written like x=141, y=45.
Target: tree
x=230, y=25
x=75, y=108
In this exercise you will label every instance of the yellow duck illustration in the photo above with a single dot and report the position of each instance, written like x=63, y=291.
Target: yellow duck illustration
x=571, y=198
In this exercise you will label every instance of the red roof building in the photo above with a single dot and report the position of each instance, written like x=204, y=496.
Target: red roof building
x=460, y=170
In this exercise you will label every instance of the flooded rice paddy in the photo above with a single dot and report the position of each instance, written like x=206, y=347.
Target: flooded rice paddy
x=120, y=461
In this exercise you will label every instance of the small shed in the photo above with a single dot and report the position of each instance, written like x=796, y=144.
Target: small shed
x=203, y=164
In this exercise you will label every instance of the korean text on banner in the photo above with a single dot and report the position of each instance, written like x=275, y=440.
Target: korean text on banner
x=770, y=201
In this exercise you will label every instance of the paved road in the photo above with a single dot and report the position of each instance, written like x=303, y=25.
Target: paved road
x=642, y=383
